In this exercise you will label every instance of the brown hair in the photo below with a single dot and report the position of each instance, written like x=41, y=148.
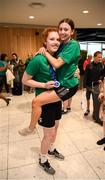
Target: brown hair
x=46, y=33
x=97, y=52
x=70, y=22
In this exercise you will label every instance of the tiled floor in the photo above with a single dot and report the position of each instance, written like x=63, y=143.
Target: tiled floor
x=77, y=136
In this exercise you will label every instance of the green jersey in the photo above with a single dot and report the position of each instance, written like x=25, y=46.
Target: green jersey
x=70, y=54
x=39, y=69
x=2, y=73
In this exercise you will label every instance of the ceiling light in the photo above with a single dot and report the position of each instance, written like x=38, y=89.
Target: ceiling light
x=36, y=4
x=85, y=11
x=99, y=24
x=31, y=17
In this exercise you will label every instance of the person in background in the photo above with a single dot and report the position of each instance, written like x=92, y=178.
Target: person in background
x=86, y=62
x=18, y=70
x=29, y=58
x=38, y=73
x=3, y=69
x=4, y=59
x=91, y=85
x=18, y=67
x=9, y=76
x=83, y=55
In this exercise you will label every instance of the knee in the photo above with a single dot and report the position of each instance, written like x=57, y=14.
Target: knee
x=35, y=103
x=50, y=136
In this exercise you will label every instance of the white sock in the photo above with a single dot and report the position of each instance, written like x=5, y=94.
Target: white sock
x=51, y=148
x=43, y=158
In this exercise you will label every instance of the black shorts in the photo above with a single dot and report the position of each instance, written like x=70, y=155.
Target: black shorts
x=65, y=93
x=50, y=113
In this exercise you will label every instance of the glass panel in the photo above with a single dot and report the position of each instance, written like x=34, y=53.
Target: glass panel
x=103, y=53
x=83, y=45
x=93, y=47
x=103, y=45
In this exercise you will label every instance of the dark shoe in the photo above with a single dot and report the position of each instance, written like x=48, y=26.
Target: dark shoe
x=64, y=111
x=47, y=167
x=101, y=141
x=56, y=154
x=87, y=112
x=99, y=122
x=69, y=109
x=7, y=101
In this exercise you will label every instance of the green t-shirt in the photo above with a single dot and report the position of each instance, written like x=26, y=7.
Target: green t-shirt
x=39, y=68
x=70, y=54
x=2, y=73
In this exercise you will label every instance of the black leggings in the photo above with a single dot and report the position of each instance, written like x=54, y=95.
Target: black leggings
x=3, y=82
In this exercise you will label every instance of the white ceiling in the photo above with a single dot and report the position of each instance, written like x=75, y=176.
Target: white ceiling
x=17, y=11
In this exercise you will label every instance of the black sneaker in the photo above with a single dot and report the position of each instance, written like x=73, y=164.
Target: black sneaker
x=47, y=167
x=56, y=154
x=87, y=112
x=101, y=141
x=65, y=111
x=69, y=109
x=7, y=101
x=99, y=122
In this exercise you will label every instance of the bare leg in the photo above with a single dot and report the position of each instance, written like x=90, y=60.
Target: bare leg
x=52, y=150
x=55, y=134
x=69, y=103
x=49, y=138
x=49, y=133
x=51, y=147
x=43, y=160
x=65, y=105
x=42, y=99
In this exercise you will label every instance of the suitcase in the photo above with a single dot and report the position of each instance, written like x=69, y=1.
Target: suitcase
x=17, y=89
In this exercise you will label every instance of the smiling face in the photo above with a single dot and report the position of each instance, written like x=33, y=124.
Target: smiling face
x=65, y=32
x=98, y=57
x=52, y=41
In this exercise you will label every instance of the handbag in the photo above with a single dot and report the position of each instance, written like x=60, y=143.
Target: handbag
x=9, y=76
